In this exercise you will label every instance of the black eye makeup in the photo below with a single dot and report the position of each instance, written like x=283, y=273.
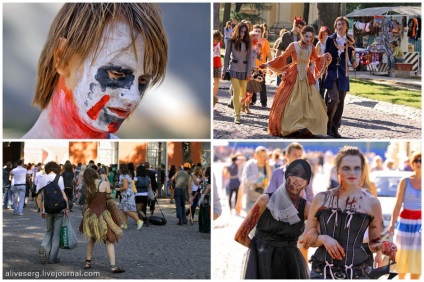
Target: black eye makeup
x=143, y=83
x=114, y=77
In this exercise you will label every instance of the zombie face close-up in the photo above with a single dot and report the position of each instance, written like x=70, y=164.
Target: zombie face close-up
x=109, y=85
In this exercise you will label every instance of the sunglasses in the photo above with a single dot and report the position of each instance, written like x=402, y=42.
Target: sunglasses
x=417, y=161
x=299, y=26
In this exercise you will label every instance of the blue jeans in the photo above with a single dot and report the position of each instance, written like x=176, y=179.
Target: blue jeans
x=7, y=197
x=19, y=191
x=52, y=237
x=180, y=198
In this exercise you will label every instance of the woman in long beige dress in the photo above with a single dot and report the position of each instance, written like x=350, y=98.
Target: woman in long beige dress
x=298, y=109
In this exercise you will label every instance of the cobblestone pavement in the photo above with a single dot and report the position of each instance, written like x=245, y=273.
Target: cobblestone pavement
x=362, y=118
x=155, y=252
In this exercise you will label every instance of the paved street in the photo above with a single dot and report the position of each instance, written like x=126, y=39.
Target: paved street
x=363, y=118
x=154, y=252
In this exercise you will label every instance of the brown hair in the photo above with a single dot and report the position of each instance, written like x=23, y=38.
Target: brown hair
x=349, y=151
x=341, y=18
x=307, y=28
x=217, y=35
x=236, y=36
x=259, y=26
x=293, y=146
x=82, y=25
x=90, y=176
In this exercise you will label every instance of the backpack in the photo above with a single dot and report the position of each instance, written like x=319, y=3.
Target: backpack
x=142, y=184
x=53, y=198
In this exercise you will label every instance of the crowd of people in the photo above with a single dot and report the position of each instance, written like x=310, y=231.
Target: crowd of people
x=312, y=74
x=107, y=197
x=274, y=186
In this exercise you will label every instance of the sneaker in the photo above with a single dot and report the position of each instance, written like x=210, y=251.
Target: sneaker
x=124, y=226
x=20, y=214
x=43, y=256
x=139, y=224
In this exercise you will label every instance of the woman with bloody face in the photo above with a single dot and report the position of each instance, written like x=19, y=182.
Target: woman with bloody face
x=279, y=220
x=238, y=61
x=337, y=223
x=298, y=110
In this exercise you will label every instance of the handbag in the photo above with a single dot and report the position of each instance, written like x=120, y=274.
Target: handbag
x=150, y=194
x=67, y=236
x=227, y=75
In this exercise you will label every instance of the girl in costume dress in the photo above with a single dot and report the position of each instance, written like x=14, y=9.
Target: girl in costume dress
x=338, y=221
x=279, y=220
x=406, y=226
x=100, y=221
x=298, y=109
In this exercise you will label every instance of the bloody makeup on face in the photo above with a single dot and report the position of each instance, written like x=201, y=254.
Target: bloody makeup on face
x=350, y=170
x=111, y=82
x=295, y=185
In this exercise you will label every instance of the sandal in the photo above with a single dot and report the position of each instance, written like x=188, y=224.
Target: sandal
x=87, y=264
x=115, y=269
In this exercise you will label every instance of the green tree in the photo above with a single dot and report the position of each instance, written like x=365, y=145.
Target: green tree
x=327, y=13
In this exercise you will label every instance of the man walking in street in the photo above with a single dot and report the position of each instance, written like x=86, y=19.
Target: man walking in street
x=18, y=177
x=341, y=47
x=266, y=56
x=255, y=176
x=49, y=248
x=181, y=187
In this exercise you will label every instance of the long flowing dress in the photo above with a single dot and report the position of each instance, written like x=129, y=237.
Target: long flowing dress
x=100, y=220
x=408, y=231
x=297, y=104
x=273, y=251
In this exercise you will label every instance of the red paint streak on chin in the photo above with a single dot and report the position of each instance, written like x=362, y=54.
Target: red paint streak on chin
x=64, y=117
x=93, y=113
x=114, y=126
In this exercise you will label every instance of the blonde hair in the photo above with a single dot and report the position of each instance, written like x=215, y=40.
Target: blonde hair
x=82, y=25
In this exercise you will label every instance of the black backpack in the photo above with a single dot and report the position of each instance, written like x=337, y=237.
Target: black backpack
x=53, y=198
x=142, y=184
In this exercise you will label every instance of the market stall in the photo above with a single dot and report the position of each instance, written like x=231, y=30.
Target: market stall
x=374, y=30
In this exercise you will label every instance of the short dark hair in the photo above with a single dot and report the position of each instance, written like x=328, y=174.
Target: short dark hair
x=52, y=167
x=19, y=162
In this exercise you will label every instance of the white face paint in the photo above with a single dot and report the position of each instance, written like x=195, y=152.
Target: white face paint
x=111, y=84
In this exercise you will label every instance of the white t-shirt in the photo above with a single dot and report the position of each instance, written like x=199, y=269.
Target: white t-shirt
x=43, y=180
x=194, y=187
x=19, y=175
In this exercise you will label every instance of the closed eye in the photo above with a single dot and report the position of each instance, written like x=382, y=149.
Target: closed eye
x=116, y=74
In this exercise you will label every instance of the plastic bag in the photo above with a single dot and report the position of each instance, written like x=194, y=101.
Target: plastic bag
x=67, y=235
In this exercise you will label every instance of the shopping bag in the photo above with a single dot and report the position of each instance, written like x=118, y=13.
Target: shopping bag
x=67, y=235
